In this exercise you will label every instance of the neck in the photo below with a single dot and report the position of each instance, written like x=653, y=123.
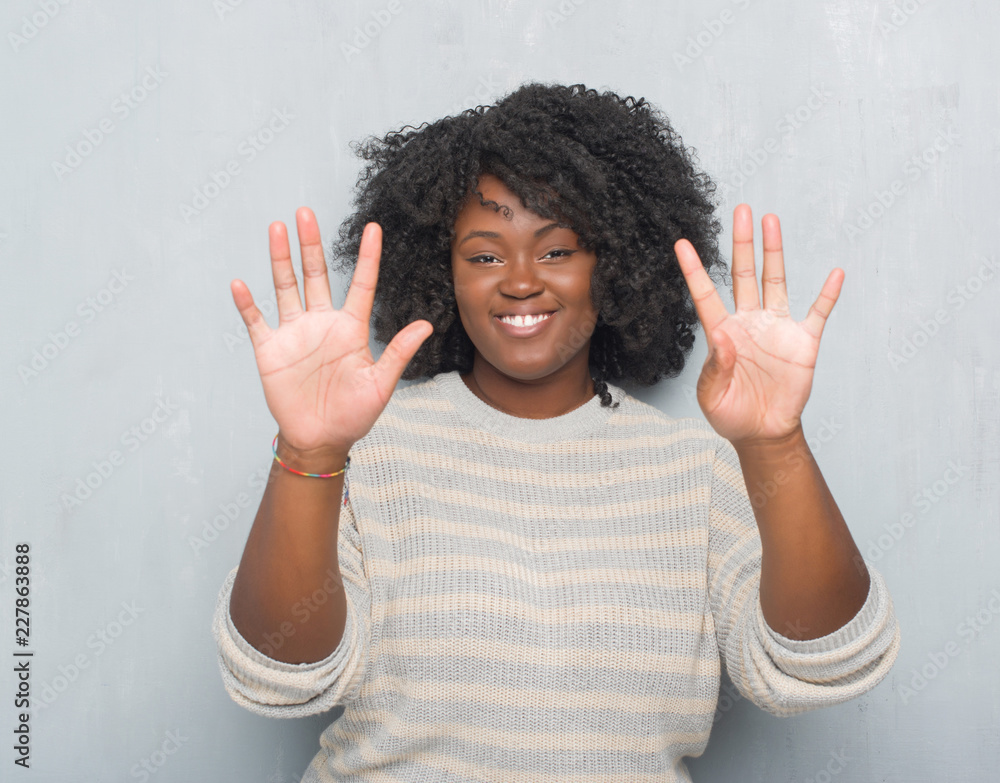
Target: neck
x=544, y=398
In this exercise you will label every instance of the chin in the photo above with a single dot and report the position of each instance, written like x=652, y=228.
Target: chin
x=526, y=371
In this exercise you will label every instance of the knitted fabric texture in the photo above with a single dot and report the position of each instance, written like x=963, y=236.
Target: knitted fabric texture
x=545, y=600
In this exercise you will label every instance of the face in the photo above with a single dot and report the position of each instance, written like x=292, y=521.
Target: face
x=530, y=266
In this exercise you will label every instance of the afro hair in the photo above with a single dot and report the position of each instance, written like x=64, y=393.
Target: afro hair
x=611, y=168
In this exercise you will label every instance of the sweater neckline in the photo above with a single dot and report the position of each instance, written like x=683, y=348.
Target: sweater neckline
x=577, y=422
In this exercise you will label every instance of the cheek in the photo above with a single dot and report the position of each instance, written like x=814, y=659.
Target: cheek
x=458, y=287
x=582, y=292
x=467, y=302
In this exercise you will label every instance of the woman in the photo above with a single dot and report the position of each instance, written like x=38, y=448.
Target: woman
x=522, y=572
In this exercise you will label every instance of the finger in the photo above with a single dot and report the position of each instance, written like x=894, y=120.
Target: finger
x=773, y=276
x=398, y=353
x=707, y=303
x=823, y=306
x=255, y=323
x=286, y=288
x=316, y=283
x=361, y=294
x=744, y=271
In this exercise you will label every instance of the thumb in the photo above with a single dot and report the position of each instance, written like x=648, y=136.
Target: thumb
x=398, y=353
x=717, y=371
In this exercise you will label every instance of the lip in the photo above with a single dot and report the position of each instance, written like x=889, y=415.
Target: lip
x=523, y=331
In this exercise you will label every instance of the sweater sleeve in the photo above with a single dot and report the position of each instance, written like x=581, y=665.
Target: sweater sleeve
x=276, y=689
x=781, y=675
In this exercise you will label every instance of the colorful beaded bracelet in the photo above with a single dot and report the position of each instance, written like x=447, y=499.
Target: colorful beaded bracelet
x=274, y=448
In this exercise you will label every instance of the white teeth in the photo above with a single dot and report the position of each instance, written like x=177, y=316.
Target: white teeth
x=522, y=320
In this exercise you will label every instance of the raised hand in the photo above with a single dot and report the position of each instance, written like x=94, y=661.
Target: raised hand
x=320, y=381
x=758, y=374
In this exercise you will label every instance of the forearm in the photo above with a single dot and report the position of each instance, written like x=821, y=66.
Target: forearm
x=812, y=576
x=290, y=555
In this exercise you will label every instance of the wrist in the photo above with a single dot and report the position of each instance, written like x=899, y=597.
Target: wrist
x=771, y=448
x=320, y=460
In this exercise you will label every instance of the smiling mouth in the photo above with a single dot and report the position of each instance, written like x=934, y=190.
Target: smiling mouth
x=524, y=321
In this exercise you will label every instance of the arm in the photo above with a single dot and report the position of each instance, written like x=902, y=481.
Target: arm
x=283, y=651
x=260, y=683
x=752, y=389
x=326, y=392
x=781, y=675
x=810, y=582
x=296, y=525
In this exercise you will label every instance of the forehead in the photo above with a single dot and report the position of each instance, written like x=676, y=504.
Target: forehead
x=512, y=212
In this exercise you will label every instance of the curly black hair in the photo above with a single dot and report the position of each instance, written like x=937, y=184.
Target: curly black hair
x=610, y=168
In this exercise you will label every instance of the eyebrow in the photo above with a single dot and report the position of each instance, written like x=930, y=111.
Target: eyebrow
x=494, y=235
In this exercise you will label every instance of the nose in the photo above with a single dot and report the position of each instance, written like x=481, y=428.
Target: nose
x=521, y=278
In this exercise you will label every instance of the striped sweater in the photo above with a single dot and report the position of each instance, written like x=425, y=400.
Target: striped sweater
x=545, y=600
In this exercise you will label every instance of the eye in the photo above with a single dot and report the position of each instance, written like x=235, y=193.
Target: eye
x=558, y=253
x=483, y=259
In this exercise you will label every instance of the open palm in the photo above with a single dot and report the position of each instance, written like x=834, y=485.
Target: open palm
x=758, y=374
x=321, y=383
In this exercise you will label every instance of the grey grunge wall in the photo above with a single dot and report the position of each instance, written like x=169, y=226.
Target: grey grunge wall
x=145, y=148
